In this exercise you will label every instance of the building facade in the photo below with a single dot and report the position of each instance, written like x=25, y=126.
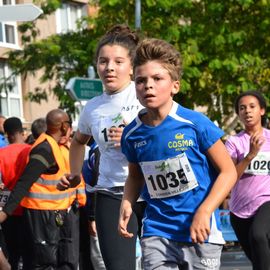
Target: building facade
x=13, y=100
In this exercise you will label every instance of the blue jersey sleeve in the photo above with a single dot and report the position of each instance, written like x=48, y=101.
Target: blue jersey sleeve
x=208, y=133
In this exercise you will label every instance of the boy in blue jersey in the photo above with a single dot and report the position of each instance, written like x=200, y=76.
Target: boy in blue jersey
x=179, y=163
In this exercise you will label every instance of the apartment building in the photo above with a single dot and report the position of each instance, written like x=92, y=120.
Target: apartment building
x=13, y=103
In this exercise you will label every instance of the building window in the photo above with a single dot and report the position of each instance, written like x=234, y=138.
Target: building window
x=68, y=15
x=10, y=92
x=8, y=32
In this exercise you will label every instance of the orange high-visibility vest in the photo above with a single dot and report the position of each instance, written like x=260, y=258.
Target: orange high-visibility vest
x=80, y=194
x=43, y=194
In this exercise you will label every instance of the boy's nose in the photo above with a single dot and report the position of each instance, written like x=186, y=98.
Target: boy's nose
x=148, y=85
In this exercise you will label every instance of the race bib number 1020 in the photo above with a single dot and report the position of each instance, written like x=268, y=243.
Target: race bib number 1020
x=170, y=177
x=260, y=165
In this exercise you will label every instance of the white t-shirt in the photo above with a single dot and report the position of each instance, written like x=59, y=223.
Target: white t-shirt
x=100, y=114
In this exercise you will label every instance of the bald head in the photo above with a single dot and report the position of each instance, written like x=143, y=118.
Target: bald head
x=56, y=120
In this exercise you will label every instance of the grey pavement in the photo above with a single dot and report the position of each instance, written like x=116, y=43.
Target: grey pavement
x=234, y=260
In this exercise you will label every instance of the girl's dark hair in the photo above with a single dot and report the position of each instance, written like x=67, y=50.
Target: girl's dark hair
x=120, y=35
x=260, y=99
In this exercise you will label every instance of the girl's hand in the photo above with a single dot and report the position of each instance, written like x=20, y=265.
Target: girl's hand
x=115, y=134
x=124, y=217
x=256, y=142
x=68, y=181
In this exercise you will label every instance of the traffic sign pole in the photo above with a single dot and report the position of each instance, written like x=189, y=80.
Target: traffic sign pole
x=20, y=12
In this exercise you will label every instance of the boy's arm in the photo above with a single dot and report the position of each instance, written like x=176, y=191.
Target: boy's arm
x=133, y=187
x=217, y=153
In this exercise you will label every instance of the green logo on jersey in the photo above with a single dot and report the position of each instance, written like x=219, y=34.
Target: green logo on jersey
x=118, y=118
x=163, y=166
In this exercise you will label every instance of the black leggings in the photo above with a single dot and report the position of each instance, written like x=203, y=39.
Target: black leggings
x=118, y=253
x=253, y=235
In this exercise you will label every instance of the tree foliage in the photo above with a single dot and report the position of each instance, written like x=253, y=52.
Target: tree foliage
x=225, y=47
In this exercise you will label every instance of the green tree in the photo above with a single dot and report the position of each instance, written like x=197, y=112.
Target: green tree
x=225, y=47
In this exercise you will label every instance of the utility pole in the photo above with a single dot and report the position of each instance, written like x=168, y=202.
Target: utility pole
x=138, y=14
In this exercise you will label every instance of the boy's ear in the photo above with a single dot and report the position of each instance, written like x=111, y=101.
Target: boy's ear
x=176, y=87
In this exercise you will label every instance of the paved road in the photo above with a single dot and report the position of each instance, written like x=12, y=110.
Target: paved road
x=234, y=260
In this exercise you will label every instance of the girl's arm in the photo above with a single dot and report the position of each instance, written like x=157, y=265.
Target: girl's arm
x=219, y=156
x=256, y=141
x=76, y=157
x=133, y=187
x=76, y=152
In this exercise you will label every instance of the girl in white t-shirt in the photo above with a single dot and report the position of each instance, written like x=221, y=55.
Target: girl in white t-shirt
x=250, y=198
x=104, y=118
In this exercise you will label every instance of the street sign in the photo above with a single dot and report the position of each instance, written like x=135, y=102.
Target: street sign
x=21, y=12
x=84, y=88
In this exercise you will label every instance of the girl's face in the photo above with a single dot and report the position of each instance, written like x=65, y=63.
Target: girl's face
x=114, y=68
x=250, y=111
x=154, y=86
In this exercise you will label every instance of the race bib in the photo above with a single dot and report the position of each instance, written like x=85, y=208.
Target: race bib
x=260, y=165
x=106, y=122
x=166, y=178
x=4, y=195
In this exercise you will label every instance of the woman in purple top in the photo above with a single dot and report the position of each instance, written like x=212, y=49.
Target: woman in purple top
x=250, y=198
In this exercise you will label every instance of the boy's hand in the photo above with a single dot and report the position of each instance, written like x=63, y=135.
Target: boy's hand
x=200, y=227
x=125, y=213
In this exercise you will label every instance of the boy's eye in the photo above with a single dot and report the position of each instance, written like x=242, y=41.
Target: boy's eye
x=139, y=80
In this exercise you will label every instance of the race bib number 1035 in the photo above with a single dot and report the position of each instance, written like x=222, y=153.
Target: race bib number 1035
x=170, y=177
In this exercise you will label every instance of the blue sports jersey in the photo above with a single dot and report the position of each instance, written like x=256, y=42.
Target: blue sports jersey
x=177, y=172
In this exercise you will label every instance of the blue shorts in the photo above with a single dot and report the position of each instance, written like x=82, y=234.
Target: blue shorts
x=160, y=254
